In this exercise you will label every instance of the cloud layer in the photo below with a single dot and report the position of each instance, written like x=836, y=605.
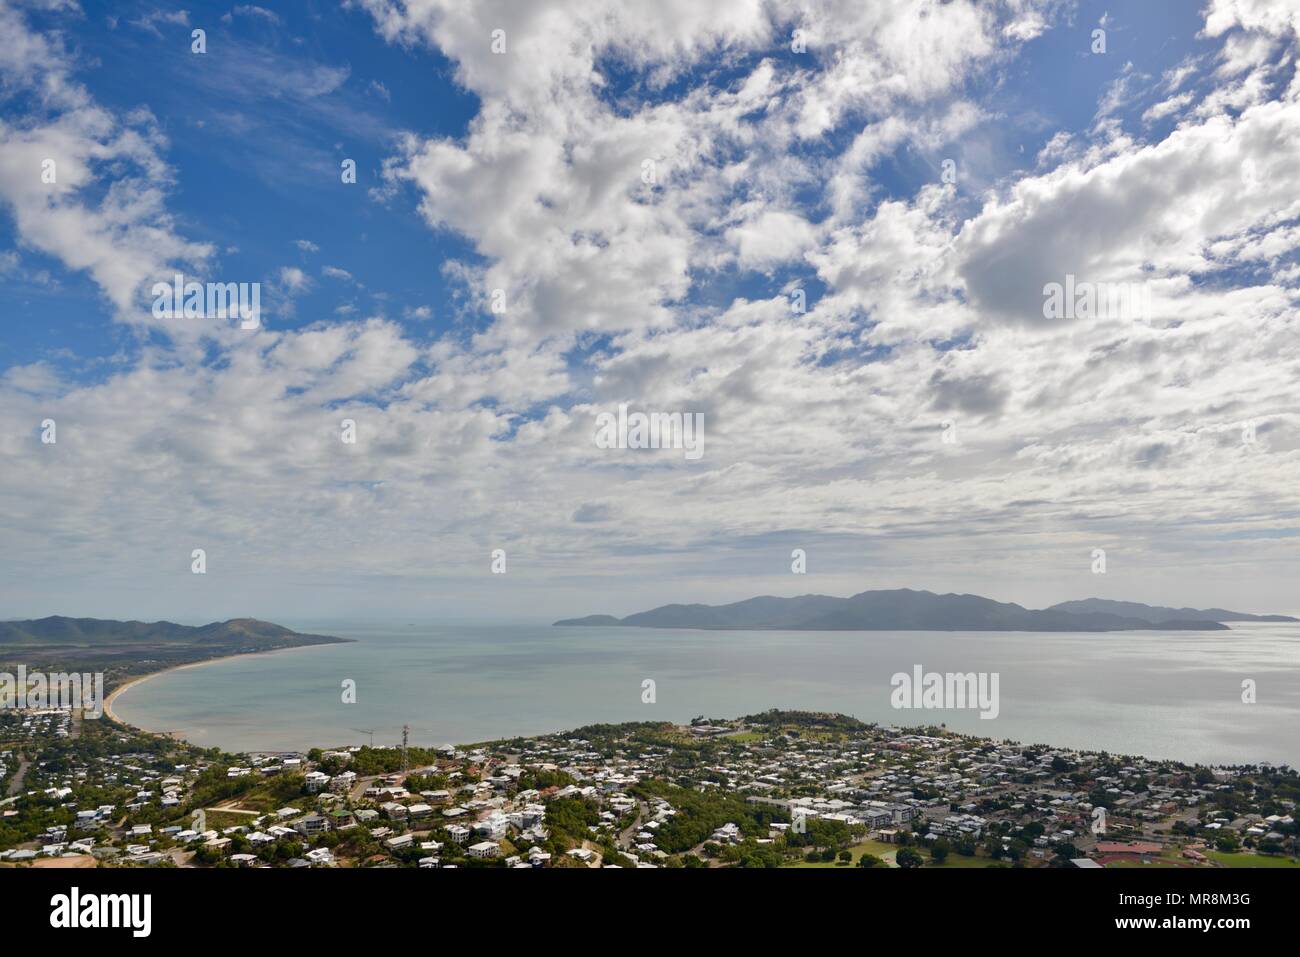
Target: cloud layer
x=694, y=208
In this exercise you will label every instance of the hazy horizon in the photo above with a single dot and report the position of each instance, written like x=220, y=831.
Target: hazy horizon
x=539, y=618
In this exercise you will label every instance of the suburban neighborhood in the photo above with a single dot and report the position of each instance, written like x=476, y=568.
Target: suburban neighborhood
x=777, y=789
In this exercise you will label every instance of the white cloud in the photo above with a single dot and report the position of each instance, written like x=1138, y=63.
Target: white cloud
x=149, y=22
x=55, y=159
x=254, y=12
x=770, y=238
x=293, y=279
x=1270, y=16
x=1145, y=214
x=593, y=218
x=1166, y=107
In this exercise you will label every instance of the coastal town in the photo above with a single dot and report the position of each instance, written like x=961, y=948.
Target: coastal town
x=777, y=789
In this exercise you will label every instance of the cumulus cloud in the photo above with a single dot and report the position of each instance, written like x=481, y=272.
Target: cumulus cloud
x=82, y=183
x=592, y=216
x=1147, y=214
x=1270, y=16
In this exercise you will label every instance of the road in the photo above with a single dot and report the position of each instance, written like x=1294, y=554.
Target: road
x=626, y=836
x=16, y=783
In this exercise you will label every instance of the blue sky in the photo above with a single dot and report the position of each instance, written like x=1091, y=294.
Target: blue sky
x=256, y=158
x=257, y=130
x=1158, y=160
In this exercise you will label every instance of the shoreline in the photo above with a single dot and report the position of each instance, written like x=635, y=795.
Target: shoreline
x=111, y=698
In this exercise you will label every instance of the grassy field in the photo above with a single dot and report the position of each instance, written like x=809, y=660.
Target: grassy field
x=1224, y=859
x=878, y=848
x=1170, y=857
x=886, y=853
x=216, y=820
x=1154, y=862
x=822, y=864
x=955, y=860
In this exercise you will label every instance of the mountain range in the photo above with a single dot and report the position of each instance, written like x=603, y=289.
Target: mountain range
x=904, y=609
x=124, y=649
x=100, y=631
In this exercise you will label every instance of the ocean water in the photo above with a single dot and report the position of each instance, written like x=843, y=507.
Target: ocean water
x=1162, y=694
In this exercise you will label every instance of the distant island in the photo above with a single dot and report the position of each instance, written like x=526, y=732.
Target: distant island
x=904, y=609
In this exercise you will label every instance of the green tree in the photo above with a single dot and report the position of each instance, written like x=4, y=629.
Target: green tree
x=908, y=858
